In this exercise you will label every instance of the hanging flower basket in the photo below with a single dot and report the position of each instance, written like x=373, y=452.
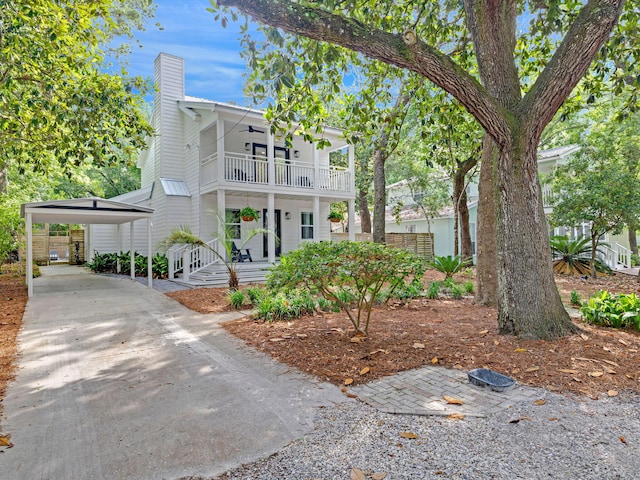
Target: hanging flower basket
x=334, y=217
x=248, y=214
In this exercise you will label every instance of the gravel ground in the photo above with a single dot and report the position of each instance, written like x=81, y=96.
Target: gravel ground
x=565, y=438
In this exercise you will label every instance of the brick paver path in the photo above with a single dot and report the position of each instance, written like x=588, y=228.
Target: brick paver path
x=421, y=392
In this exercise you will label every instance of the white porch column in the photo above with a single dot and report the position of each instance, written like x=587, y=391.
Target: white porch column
x=149, y=260
x=351, y=212
x=222, y=218
x=220, y=151
x=271, y=239
x=118, y=249
x=271, y=162
x=88, y=250
x=316, y=219
x=316, y=174
x=131, y=252
x=352, y=168
x=29, y=227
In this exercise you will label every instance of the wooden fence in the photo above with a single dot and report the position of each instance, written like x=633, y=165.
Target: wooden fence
x=419, y=243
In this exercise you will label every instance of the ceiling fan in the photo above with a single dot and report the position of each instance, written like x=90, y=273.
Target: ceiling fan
x=252, y=130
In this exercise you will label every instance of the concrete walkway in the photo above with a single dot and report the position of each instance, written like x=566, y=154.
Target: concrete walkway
x=119, y=381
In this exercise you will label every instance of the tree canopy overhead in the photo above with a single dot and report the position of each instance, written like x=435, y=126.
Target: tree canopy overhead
x=58, y=106
x=527, y=58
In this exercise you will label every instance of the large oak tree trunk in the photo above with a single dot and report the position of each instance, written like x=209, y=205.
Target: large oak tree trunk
x=487, y=256
x=528, y=299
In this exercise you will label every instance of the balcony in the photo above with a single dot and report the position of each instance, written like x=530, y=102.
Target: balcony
x=287, y=175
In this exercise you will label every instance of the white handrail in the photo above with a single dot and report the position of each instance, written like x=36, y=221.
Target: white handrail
x=191, y=258
x=616, y=256
x=174, y=257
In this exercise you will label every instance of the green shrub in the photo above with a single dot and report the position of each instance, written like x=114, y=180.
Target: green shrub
x=576, y=298
x=618, y=311
x=350, y=274
x=285, y=304
x=635, y=259
x=103, y=263
x=457, y=291
x=236, y=298
x=255, y=294
x=160, y=265
x=433, y=292
x=405, y=292
x=325, y=305
x=468, y=287
x=449, y=265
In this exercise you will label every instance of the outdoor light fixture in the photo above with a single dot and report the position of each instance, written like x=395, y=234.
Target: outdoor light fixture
x=296, y=153
x=287, y=215
x=247, y=146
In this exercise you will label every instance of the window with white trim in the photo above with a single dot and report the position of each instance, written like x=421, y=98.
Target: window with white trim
x=232, y=223
x=306, y=225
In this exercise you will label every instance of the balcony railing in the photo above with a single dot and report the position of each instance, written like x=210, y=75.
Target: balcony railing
x=250, y=169
x=547, y=196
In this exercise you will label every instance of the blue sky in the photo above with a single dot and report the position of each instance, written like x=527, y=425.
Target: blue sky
x=213, y=67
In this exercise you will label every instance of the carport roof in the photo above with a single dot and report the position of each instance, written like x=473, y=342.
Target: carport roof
x=92, y=210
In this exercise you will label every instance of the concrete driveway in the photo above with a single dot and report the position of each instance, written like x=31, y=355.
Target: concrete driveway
x=118, y=381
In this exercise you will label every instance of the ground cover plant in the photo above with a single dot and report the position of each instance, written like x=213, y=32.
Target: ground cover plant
x=108, y=262
x=618, y=311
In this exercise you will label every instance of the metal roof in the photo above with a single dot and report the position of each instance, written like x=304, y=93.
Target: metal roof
x=91, y=210
x=175, y=188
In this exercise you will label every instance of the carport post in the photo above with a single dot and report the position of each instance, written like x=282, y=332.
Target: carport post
x=149, y=259
x=118, y=249
x=29, y=226
x=131, y=252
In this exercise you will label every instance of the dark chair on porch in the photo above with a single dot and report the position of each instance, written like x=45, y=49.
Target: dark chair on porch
x=238, y=256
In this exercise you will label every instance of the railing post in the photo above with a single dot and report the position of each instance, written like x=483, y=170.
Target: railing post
x=172, y=266
x=186, y=264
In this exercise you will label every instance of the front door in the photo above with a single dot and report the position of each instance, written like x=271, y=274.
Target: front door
x=265, y=236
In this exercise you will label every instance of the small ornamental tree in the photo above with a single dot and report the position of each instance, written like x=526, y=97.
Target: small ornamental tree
x=598, y=190
x=347, y=273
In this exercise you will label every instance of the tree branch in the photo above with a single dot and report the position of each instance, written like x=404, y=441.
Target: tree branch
x=404, y=51
x=570, y=62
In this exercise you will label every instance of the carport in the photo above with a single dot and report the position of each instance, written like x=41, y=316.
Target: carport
x=88, y=211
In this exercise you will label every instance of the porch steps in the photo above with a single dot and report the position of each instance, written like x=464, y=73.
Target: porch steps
x=216, y=275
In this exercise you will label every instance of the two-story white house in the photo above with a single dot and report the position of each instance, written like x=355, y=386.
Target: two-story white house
x=209, y=159
x=616, y=253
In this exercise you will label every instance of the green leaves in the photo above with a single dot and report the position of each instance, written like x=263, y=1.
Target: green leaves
x=618, y=311
x=60, y=107
x=347, y=273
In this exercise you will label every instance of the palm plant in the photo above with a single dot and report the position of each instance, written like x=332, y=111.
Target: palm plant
x=449, y=265
x=572, y=257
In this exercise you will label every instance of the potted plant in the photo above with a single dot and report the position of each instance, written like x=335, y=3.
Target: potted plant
x=249, y=214
x=334, y=216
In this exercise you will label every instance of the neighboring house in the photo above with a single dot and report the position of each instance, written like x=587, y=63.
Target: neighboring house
x=412, y=220
x=209, y=159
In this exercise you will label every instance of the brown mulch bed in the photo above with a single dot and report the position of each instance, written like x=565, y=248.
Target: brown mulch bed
x=13, y=300
x=451, y=333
